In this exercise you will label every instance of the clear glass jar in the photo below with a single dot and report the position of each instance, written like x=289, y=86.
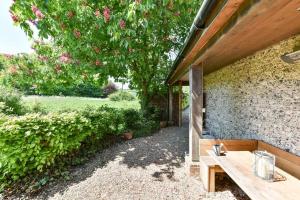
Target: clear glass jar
x=264, y=165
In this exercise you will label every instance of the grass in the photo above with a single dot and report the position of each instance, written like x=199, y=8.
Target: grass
x=57, y=103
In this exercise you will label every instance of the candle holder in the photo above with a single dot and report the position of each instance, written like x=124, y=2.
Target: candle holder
x=264, y=165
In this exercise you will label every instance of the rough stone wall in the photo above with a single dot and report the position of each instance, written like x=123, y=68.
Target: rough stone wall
x=257, y=97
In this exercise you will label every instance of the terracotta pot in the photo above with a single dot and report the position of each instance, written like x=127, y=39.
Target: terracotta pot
x=128, y=135
x=163, y=124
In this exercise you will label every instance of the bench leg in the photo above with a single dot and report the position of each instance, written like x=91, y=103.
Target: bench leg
x=212, y=181
x=207, y=175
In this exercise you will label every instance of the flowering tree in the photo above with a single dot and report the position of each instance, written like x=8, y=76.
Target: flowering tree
x=116, y=38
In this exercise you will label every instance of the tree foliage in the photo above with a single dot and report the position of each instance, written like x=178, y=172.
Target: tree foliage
x=118, y=38
x=36, y=74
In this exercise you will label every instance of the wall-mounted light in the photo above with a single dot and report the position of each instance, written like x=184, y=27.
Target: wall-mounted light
x=291, y=57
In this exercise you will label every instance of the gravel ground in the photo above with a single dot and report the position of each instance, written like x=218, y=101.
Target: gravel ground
x=144, y=168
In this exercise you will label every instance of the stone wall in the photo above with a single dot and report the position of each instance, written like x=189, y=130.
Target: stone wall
x=257, y=97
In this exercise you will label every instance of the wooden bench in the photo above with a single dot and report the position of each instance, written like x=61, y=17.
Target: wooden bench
x=284, y=160
x=208, y=170
x=238, y=165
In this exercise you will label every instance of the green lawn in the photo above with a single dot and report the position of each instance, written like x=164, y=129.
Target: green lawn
x=56, y=103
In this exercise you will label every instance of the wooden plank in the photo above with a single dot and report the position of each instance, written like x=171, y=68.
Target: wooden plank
x=284, y=160
x=229, y=145
x=238, y=165
x=221, y=19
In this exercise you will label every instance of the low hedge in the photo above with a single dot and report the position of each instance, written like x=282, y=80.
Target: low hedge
x=32, y=142
x=121, y=96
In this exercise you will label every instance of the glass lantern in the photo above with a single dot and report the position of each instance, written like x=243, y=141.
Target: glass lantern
x=264, y=165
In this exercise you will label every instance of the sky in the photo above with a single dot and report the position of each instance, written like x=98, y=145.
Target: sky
x=12, y=38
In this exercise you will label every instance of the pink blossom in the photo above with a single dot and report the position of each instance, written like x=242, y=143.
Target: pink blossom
x=97, y=13
x=77, y=33
x=43, y=58
x=97, y=50
x=9, y=56
x=13, y=70
x=15, y=18
x=98, y=63
x=70, y=14
x=62, y=26
x=34, y=8
x=58, y=69
x=39, y=14
x=177, y=14
x=65, y=57
x=122, y=24
x=106, y=14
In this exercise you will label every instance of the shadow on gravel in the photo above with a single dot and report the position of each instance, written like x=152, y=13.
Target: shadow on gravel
x=165, y=149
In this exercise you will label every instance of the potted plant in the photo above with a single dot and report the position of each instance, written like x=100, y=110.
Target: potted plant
x=128, y=135
x=163, y=124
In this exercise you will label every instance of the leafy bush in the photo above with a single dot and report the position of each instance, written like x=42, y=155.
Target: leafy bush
x=140, y=124
x=148, y=126
x=132, y=119
x=121, y=96
x=36, y=142
x=87, y=90
x=11, y=101
x=33, y=141
x=109, y=89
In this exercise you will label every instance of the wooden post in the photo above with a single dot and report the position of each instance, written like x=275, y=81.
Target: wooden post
x=170, y=103
x=196, y=118
x=180, y=104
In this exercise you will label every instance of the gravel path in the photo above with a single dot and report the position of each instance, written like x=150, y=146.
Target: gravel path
x=144, y=168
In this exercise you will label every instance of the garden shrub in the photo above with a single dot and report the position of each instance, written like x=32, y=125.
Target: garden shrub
x=121, y=96
x=140, y=123
x=148, y=126
x=33, y=141
x=109, y=89
x=11, y=101
x=132, y=119
x=87, y=90
x=37, y=142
